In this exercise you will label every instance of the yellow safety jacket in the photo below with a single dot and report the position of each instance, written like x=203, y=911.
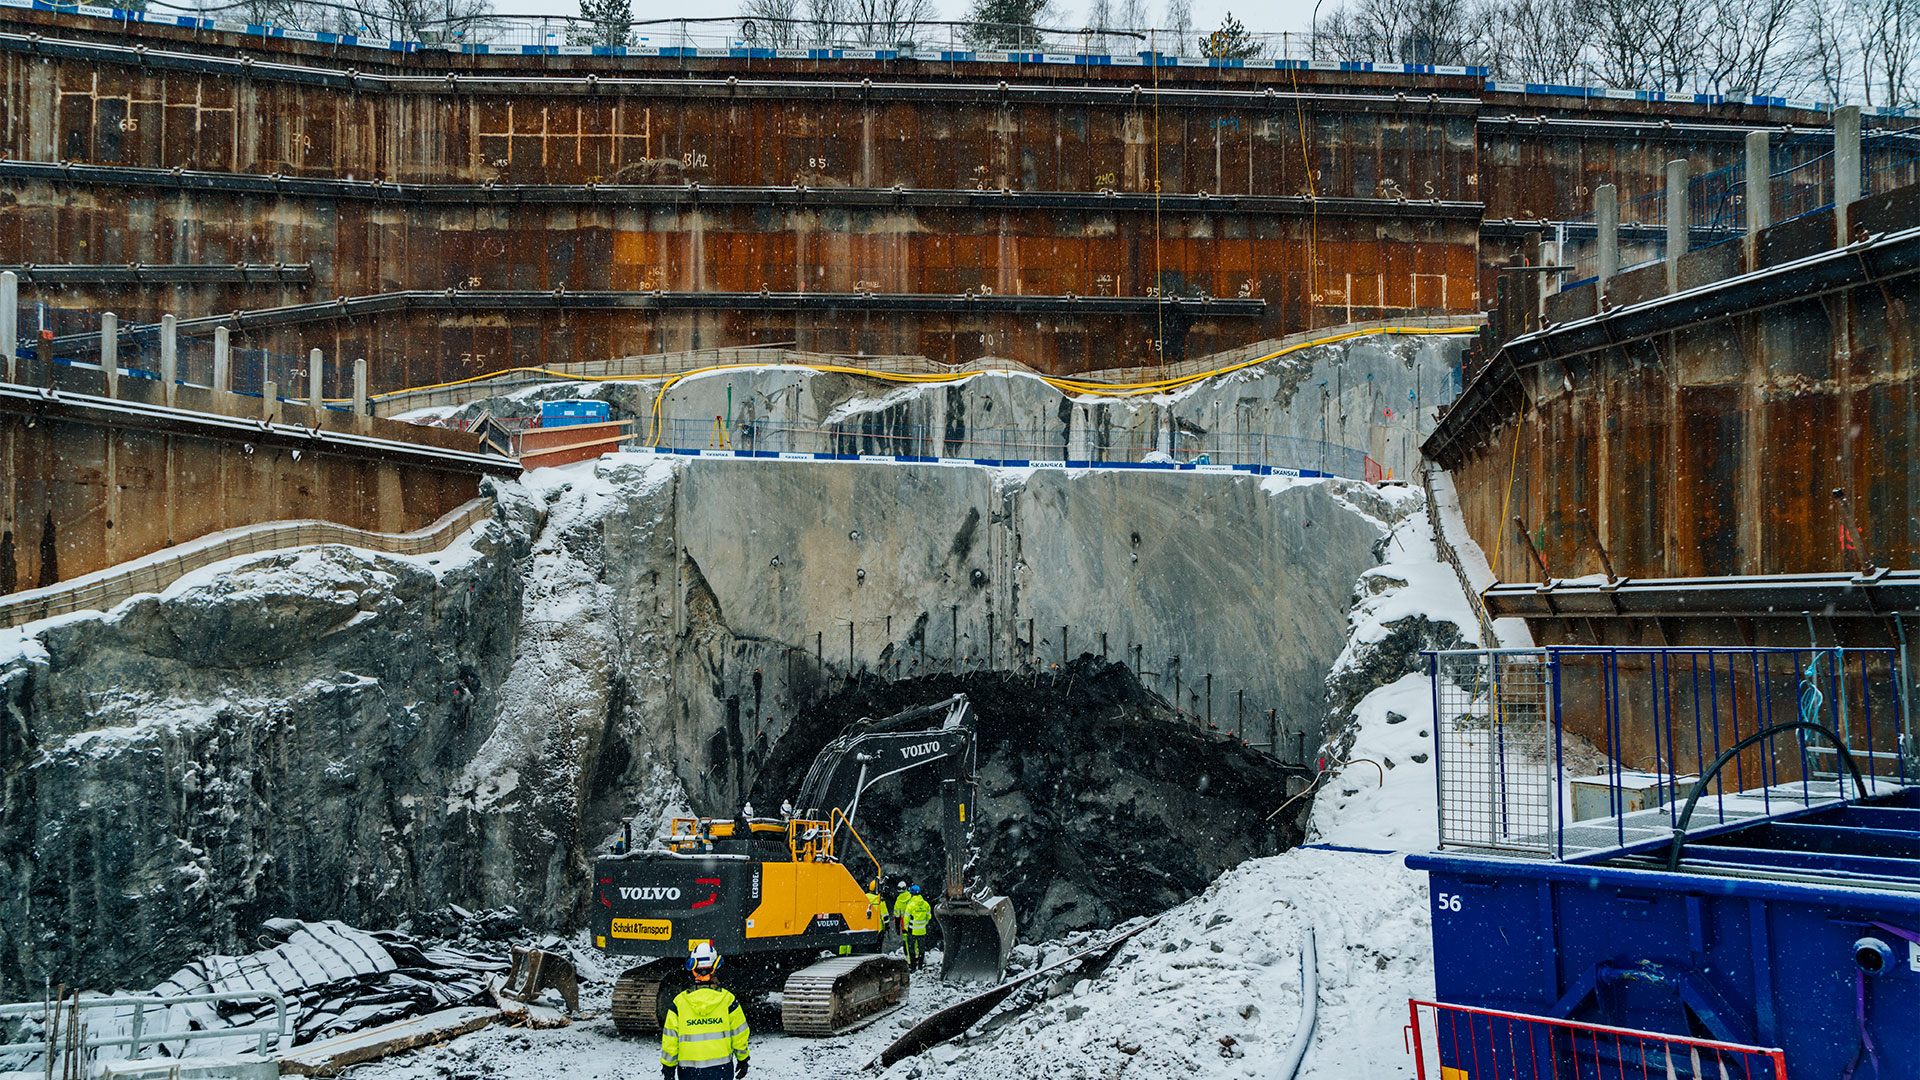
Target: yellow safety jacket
x=704, y=1028
x=876, y=907
x=918, y=913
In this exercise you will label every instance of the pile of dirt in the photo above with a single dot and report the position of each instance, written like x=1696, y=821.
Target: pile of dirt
x=1096, y=803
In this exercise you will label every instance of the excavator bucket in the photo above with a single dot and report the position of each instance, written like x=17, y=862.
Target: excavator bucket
x=975, y=937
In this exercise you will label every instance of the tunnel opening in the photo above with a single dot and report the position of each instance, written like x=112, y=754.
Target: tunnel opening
x=1096, y=802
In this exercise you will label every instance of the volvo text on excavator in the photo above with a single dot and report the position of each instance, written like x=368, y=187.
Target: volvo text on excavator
x=780, y=899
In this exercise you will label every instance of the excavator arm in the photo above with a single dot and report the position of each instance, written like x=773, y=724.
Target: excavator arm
x=976, y=933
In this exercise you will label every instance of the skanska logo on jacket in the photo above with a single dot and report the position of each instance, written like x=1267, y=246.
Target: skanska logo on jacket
x=649, y=893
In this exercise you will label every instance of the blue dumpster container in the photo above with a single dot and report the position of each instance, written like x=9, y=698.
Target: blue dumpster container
x=565, y=413
x=1799, y=931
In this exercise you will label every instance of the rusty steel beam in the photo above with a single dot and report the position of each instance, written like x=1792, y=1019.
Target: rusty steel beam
x=1864, y=263
x=731, y=88
x=455, y=300
x=163, y=273
x=115, y=412
x=693, y=195
x=1496, y=392
x=1687, y=131
x=1774, y=596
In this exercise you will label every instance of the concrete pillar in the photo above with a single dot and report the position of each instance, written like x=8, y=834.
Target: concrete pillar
x=110, y=351
x=391, y=508
x=1846, y=170
x=1678, y=218
x=361, y=421
x=1759, y=194
x=1606, y=220
x=270, y=401
x=222, y=362
x=10, y=322
x=316, y=365
x=169, y=356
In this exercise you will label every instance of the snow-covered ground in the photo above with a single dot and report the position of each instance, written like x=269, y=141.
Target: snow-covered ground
x=1213, y=988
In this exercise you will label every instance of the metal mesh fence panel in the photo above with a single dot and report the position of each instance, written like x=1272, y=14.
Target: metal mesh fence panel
x=1494, y=737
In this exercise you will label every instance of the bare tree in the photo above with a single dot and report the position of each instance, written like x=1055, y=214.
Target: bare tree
x=1099, y=20
x=776, y=23
x=1179, y=19
x=888, y=22
x=1833, y=60
x=1542, y=41
x=1751, y=48
x=1402, y=31
x=1888, y=41
x=827, y=20
x=419, y=20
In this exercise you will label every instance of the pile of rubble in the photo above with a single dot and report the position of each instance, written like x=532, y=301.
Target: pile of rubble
x=335, y=979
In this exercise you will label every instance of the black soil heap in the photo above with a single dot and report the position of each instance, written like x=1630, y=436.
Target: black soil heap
x=1096, y=802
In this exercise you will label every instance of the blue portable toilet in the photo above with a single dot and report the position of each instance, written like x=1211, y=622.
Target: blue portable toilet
x=568, y=413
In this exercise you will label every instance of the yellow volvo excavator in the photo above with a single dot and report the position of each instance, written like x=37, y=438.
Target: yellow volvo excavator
x=779, y=897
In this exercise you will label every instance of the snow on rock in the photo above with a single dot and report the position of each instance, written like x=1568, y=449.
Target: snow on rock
x=1213, y=989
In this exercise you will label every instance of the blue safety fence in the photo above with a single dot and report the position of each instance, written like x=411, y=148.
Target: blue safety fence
x=561, y=37
x=1583, y=753
x=869, y=435
x=1011, y=463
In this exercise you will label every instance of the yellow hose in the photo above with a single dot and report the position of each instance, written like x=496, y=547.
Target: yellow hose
x=1063, y=384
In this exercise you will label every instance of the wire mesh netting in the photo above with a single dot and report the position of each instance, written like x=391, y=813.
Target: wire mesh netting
x=1494, y=741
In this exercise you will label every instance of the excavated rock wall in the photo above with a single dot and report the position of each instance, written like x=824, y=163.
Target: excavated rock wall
x=1319, y=408
x=333, y=733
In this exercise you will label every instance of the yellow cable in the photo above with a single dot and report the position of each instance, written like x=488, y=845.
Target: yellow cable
x=1506, y=501
x=1159, y=270
x=1313, y=203
x=1065, y=385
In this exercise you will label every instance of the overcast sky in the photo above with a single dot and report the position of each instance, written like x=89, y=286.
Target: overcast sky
x=1264, y=16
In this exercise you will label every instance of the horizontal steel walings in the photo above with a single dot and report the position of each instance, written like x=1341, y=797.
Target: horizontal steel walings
x=93, y=409
x=732, y=195
x=164, y=273
x=733, y=87
x=607, y=300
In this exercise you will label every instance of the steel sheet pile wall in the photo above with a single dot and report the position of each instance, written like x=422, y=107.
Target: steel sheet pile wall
x=816, y=187
x=1761, y=425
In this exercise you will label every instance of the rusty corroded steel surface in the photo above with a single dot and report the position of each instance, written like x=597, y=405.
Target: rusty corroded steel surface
x=1321, y=258
x=1359, y=192
x=111, y=494
x=1776, y=439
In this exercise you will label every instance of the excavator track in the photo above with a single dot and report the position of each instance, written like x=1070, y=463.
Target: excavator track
x=639, y=994
x=833, y=995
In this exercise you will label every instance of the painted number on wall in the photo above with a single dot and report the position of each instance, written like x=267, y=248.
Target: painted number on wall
x=1446, y=901
x=129, y=123
x=816, y=163
x=693, y=159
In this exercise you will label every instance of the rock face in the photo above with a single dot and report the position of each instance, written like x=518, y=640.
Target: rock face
x=1097, y=803
x=328, y=733
x=1317, y=408
x=279, y=737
